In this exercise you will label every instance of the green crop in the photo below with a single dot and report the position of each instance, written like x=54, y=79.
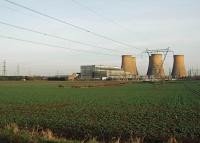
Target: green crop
x=157, y=110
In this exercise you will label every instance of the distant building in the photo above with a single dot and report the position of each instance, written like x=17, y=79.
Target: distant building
x=4, y=78
x=104, y=72
x=74, y=76
x=58, y=78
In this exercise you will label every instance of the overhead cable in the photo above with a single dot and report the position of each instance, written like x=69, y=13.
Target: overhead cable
x=72, y=25
x=57, y=37
x=55, y=46
x=98, y=14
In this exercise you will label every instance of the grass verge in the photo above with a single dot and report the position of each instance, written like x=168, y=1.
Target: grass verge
x=11, y=133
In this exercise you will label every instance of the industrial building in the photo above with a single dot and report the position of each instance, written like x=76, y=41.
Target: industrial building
x=128, y=70
x=73, y=76
x=104, y=72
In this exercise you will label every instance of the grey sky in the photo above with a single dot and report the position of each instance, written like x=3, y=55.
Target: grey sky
x=141, y=23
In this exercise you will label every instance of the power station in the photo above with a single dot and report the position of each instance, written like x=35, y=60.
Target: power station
x=129, y=69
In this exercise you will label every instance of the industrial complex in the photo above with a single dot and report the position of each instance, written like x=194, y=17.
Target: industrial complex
x=126, y=71
x=129, y=71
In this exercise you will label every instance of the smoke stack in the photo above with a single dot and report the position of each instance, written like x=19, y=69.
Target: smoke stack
x=129, y=64
x=179, y=70
x=155, y=68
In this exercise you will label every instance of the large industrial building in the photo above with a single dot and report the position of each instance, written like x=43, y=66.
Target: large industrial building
x=104, y=72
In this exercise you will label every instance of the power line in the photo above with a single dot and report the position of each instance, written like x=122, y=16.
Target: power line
x=54, y=36
x=70, y=24
x=20, y=12
x=98, y=14
x=93, y=11
x=55, y=46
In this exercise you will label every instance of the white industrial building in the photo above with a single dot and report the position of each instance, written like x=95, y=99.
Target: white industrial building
x=104, y=72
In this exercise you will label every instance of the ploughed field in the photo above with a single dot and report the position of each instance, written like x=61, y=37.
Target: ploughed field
x=156, y=111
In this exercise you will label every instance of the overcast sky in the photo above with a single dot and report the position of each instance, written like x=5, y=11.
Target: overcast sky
x=141, y=23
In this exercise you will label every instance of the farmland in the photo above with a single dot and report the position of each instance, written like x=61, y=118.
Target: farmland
x=156, y=111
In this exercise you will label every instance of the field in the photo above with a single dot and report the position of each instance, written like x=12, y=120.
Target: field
x=77, y=110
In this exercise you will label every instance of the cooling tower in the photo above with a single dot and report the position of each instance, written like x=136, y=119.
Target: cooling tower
x=150, y=66
x=129, y=64
x=179, y=67
x=155, y=68
x=135, y=71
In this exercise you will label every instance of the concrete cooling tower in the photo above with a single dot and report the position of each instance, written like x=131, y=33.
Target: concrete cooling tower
x=155, y=68
x=129, y=64
x=150, y=66
x=179, y=70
